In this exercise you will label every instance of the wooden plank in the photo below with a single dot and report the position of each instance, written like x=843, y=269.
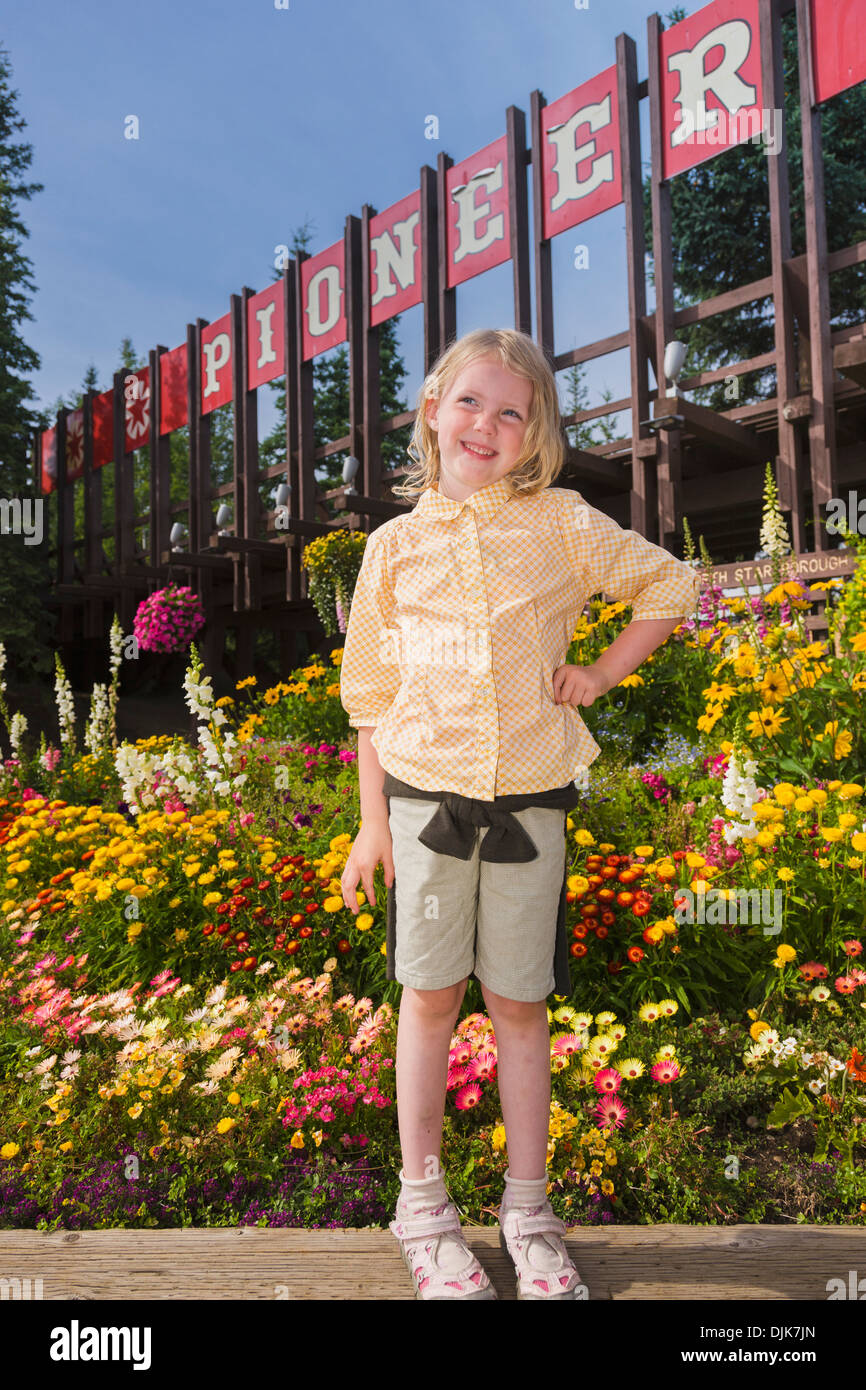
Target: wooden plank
x=627, y=1263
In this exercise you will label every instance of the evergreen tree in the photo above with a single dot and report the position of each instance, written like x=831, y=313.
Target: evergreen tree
x=26, y=625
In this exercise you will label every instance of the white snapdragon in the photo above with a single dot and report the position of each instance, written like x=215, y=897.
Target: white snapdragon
x=65, y=705
x=17, y=729
x=739, y=795
x=99, y=725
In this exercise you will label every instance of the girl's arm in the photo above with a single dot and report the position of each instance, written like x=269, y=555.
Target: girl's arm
x=581, y=685
x=371, y=777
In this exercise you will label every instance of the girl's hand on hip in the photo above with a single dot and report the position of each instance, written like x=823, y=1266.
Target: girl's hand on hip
x=578, y=685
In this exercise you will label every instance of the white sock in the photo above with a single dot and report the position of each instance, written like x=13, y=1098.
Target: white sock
x=420, y=1194
x=524, y=1192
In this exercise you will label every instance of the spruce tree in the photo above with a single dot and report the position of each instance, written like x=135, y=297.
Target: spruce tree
x=26, y=625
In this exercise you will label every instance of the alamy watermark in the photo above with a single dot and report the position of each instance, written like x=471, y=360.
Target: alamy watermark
x=22, y=517
x=730, y=907
x=720, y=127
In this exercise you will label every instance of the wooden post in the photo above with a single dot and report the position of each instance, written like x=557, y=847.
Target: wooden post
x=92, y=523
x=368, y=339
x=541, y=243
x=518, y=215
x=65, y=529
x=160, y=466
x=447, y=297
x=664, y=525
x=643, y=501
x=788, y=471
x=430, y=264
x=822, y=425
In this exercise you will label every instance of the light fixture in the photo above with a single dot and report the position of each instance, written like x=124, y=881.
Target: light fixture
x=282, y=494
x=223, y=519
x=350, y=468
x=675, y=356
x=664, y=422
x=177, y=535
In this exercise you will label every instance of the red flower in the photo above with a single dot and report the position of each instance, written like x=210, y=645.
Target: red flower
x=635, y=954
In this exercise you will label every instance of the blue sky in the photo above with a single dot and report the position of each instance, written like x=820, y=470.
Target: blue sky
x=254, y=120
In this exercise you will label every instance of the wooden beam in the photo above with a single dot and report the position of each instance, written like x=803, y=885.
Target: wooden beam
x=710, y=426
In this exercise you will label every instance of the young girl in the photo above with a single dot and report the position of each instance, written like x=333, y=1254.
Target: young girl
x=470, y=749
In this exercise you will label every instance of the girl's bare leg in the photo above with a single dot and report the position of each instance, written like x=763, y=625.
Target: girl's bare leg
x=523, y=1068
x=424, y=1031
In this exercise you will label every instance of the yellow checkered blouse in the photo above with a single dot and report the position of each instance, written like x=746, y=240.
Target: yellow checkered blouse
x=461, y=613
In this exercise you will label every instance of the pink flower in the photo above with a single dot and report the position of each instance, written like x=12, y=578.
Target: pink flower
x=665, y=1072
x=610, y=1112
x=468, y=1097
x=482, y=1067
x=607, y=1080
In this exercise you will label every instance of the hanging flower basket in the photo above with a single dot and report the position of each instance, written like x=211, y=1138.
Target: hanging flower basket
x=168, y=620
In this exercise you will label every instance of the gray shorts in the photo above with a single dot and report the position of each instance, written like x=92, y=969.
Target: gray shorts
x=450, y=918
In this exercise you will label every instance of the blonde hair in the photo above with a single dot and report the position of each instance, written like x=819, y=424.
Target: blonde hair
x=543, y=454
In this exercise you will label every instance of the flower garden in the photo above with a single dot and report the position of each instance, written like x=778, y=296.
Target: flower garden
x=195, y=1030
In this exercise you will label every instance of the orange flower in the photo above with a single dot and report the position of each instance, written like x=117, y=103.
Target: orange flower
x=635, y=954
x=857, y=1065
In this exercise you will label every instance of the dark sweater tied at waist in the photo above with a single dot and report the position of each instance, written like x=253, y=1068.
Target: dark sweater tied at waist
x=451, y=828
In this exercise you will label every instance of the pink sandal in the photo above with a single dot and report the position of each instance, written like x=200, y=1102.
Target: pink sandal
x=533, y=1242
x=424, y=1240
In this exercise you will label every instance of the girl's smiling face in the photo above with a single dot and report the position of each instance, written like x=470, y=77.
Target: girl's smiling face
x=485, y=406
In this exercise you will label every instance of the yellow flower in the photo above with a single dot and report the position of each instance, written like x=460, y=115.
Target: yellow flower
x=364, y=921
x=764, y=722
x=607, y=1187
x=10, y=1150
x=234, y=1098
x=786, y=952
x=706, y=721
x=297, y=1140
x=226, y=1124
x=134, y=1111
x=497, y=1138
x=757, y=1028
x=66, y=1146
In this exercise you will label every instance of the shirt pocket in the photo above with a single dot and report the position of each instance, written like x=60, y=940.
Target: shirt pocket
x=557, y=611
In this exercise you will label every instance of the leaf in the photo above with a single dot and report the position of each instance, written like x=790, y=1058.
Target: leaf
x=682, y=996
x=789, y=1108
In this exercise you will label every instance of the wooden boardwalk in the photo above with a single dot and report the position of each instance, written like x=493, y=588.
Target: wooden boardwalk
x=248, y=1262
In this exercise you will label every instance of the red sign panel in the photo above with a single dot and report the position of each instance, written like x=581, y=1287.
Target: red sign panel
x=102, y=415
x=74, y=445
x=216, y=364
x=712, y=96
x=49, y=460
x=476, y=213
x=838, y=45
x=581, y=155
x=136, y=409
x=323, y=281
x=395, y=259
x=266, y=335
x=173, y=385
